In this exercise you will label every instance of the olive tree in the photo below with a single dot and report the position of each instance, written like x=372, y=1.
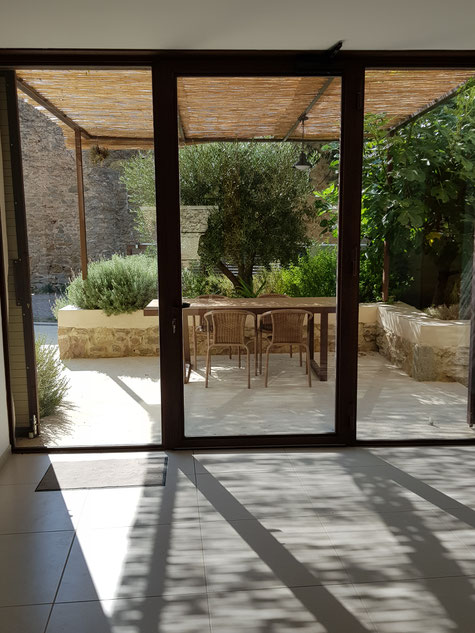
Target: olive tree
x=261, y=204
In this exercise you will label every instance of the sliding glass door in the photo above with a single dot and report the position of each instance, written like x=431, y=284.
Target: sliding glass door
x=255, y=247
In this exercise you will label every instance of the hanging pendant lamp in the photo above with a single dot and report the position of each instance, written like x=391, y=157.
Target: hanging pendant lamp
x=303, y=164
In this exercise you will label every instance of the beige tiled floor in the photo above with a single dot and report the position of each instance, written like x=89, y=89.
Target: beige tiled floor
x=116, y=401
x=324, y=541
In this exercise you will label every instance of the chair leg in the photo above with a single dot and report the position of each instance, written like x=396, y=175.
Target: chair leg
x=307, y=350
x=208, y=366
x=260, y=351
x=248, y=368
x=306, y=364
x=230, y=353
x=300, y=354
x=291, y=351
x=239, y=357
x=267, y=365
x=255, y=356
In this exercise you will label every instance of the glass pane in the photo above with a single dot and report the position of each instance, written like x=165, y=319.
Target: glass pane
x=258, y=235
x=417, y=254
x=101, y=345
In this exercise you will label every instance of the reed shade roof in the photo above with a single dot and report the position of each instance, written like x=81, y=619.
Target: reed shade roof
x=114, y=107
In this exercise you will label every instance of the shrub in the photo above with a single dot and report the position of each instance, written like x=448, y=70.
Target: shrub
x=52, y=384
x=196, y=282
x=444, y=312
x=312, y=276
x=60, y=302
x=116, y=285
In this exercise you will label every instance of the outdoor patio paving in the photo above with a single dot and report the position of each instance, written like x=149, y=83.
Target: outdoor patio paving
x=117, y=401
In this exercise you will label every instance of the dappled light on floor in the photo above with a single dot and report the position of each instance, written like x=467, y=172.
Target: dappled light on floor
x=317, y=540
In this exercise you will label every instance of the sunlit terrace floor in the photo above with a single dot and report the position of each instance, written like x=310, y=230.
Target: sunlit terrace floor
x=117, y=402
x=317, y=541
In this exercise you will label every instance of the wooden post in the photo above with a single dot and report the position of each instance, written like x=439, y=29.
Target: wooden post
x=81, y=203
x=471, y=359
x=386, y=271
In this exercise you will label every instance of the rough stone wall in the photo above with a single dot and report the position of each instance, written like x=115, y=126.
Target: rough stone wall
x=424, y=363
x=104, y=342
x=51, y=202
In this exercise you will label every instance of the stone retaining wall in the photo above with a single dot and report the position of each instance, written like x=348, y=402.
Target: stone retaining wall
x=426, y=349
x=92, y=334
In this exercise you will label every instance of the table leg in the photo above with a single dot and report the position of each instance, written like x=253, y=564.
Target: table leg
x=187, y=366
x=324, y=346
x=321, y=369
x=311, y=336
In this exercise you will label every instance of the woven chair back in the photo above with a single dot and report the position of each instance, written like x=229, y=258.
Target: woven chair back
x=228, y=326
x=287, y=325
x=266, y=322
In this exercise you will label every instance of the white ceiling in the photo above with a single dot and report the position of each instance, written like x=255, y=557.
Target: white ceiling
x=238, y=24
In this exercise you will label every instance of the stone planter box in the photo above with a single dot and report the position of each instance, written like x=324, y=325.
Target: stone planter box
x=426, y=349
x=93, y=334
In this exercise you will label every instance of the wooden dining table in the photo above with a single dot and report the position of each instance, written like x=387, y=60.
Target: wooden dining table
x=316, y=305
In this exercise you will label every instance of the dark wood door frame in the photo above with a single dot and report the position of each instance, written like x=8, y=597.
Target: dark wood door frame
x=167, y=65
x=165, y=77
x=21, y=265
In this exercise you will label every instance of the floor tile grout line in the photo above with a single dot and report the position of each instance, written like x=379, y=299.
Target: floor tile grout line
x=60, y=581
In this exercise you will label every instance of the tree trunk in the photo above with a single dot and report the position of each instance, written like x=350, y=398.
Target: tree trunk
x=245, y=273
x=229, y=274
x=440, y=292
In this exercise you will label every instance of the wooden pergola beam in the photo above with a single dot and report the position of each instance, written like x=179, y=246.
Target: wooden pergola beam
x=181, y=131
x=42, y=101
x=426, y=109
x=312, y=103
x=127, y=142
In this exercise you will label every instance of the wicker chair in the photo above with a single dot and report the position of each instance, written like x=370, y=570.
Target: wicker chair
x=202, y=327
x=265, y=328
x=288, y=329
x=226, y=328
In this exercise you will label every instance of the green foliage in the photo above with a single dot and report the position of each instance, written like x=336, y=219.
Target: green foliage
x=116, y=285
x=444, y=312
x=313, y=275
x=418, y=192
x=138, y=175
x=52, y=384
x=247, y=290
x=195, y=283
x=261, y=203
x=60, y=302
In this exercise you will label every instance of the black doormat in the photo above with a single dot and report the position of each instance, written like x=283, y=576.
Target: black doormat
x=105, y=473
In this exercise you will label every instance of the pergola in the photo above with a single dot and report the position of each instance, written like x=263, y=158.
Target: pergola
x=113, y=108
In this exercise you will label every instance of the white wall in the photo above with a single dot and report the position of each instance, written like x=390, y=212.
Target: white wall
x=246, y=24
